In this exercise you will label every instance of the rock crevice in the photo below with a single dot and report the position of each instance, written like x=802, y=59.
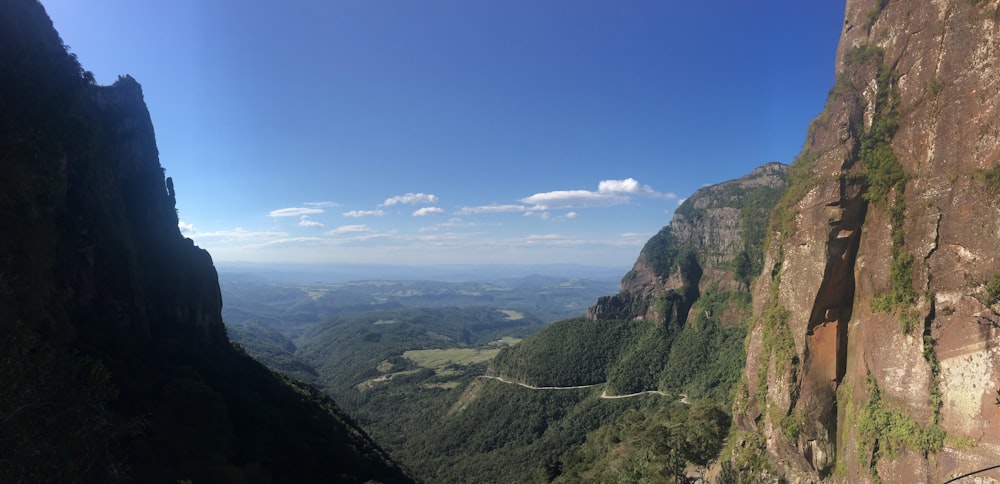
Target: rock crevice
x=877, y=258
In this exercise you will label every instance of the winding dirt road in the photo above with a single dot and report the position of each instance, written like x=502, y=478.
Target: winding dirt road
x=525, y=385
x=604, y=393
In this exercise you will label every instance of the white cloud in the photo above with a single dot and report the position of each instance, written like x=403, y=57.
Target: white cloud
x=236, y=238
x=186, y=228
x=552, y=240
x=628, y=185
x=428, y=211
x=290, y=240
x=444, y=238
x=349, y=229
x=364, y=213
x=305, y=222
x=546, y=215
x=410, y=199
x=537, y=237
x=321, y=204
x=456, y=222
x=492, y=208
x=609, y=192
x=294, y=212
x=574, y=199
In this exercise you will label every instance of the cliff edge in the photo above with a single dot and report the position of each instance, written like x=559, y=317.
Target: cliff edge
x=874, y=352
x=715, y=238
x=115, y=363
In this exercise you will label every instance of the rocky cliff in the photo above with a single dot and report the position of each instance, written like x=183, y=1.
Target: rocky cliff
x=874, y=351
x=115, y=363
x=716, y=238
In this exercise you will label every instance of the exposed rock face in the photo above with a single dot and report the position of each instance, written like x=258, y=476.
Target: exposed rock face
x=115, y=365
x=875, y=347
x=716, y=237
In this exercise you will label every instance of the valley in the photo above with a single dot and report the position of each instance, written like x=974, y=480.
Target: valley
x=829, y=320
x=515, y=380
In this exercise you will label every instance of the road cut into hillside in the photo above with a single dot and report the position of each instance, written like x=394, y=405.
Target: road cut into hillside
x=604, y=393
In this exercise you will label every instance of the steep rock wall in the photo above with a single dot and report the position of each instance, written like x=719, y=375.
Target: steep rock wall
x=115, y=363
x=715, y=238
x=874, y=351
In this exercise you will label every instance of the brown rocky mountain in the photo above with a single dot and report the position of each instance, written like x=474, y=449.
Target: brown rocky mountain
x=716, y=237
x=874, y=352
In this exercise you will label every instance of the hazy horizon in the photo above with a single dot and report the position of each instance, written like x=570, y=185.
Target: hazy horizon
x=347, y=272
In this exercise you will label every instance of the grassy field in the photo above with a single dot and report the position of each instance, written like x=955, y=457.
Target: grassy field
x=369, y=384
x=512, y=315
x=438, y=359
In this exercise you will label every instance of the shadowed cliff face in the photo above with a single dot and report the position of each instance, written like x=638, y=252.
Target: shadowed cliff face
x=115, y=361
x=874, y=351
x=171, y=284
x=716, y=237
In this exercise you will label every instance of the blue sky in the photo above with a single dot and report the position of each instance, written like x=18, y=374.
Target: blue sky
x=456, y=131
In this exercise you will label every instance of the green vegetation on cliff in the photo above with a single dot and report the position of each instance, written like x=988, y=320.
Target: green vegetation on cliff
x=777, y=343
x=571, y=352
x=706, y=357
x=884, y=431
x=702, y=359
x=884, y=176
x=654, y=446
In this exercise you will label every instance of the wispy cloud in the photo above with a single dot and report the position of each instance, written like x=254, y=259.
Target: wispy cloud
x=364, y=213
x=428, y=211
x=546, y=215
x=304, y=221
x=321, y=204
x=630, y=239
x=349, y=229
x=290, y=240
x=294, y=211
x=410, y=199
x=248, y=242
x=492, y=208
x=455, y=222
x=544, y=238
x=240, y=233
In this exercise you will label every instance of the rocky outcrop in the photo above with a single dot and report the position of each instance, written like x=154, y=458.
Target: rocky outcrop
x=716, y=237
x=115, y=363
x=874, y=351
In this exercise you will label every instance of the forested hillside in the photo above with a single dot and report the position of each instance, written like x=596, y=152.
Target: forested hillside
x=685, y=308
x=402, y=372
